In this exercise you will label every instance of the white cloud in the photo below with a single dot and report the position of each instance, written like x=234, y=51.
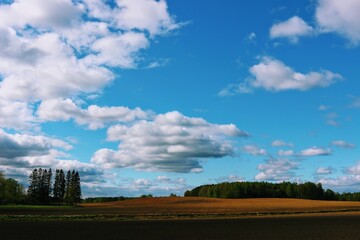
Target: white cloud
x=315, y=151
x=118, y=50
x=342, y=144
x=22, y=145
x=230, y=178
x=94, y=116
x=332, y=16
x=63, y=48
x=16, y=115
x=276, y=170
x=292, y=29
x=323, y=108
x=157, y=187
x=286, y=153
x=281, y=143
x=21, y=153
x=144, y=15
x=331, y=119
x=40, y=14
x=45, y=67
x=171, y=142
x=341, y=17
x=254, y=150
x=233, y=89
x=273, y=75
x=152, y=16
x=350, y=181
x=324, y=170
x=34, y=150
x=309, y=152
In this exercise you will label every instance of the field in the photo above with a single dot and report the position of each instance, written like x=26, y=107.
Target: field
x=186, y=218
x=178, y=207
x=205, y=206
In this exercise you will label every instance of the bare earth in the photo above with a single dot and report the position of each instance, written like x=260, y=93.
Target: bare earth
x=188, y=218
x=203, y=206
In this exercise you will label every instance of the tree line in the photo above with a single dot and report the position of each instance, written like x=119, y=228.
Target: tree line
x=307, y=190
x=65, y=189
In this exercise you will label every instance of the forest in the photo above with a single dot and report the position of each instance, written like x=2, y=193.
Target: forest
x=42, y=190
x=307, y=190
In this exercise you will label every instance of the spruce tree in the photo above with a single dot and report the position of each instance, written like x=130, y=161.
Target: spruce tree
x=56, y=187
x=62, y=185
x=33, y=190
x=68, y=187
x=77, y=188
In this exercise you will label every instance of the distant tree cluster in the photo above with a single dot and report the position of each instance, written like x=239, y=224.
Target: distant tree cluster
x=307, y=190
x=103, y=199
x=11, y=192
x=65, y=190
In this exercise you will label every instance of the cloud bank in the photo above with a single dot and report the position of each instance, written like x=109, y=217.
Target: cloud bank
x=171, y=142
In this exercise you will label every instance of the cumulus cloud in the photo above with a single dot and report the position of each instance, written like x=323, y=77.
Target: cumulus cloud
x=254, y=150
x=315, y=151
x=281, y=143
x=60, y=49
x=332, y=119
x=230, y=178
x=340, y=17
x=21, y=145
x=292, y=29
x=323, y=108
x=273, y=75
x=171, y=142
x=93, y=116
x=276, y=170
x=350, y=180
x=136, y=187
x=45, y=67
x=332, y=16
x=324, y=170
x=286, y=153
x=309, y=152
x=16, y=115
x=21, y=153
x=342, y=144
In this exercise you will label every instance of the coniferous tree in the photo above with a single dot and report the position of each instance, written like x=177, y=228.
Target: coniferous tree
x=62, y=185
x=56, y=187
x=68, y=187
x=77, y=188
x=33, y=189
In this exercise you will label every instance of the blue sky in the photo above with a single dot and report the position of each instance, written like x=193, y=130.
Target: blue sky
x=145, y=96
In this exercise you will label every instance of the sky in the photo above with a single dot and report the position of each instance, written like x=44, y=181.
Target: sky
x=160, y=96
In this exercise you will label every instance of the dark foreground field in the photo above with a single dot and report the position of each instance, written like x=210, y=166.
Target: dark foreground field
x=299, y=227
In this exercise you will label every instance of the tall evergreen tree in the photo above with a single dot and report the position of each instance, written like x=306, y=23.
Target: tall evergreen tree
x=33, y=191
x=77, y=188
x=62, y=185
x=68, y=187
x=56, y=187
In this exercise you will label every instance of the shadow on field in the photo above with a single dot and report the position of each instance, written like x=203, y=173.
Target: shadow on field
x=315, y=227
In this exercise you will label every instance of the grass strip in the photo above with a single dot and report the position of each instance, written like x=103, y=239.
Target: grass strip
x=172, y=216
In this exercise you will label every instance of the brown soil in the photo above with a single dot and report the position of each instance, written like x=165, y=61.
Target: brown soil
x=194, y=205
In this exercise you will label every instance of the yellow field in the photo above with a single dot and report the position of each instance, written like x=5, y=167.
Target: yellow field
x=194, y=205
